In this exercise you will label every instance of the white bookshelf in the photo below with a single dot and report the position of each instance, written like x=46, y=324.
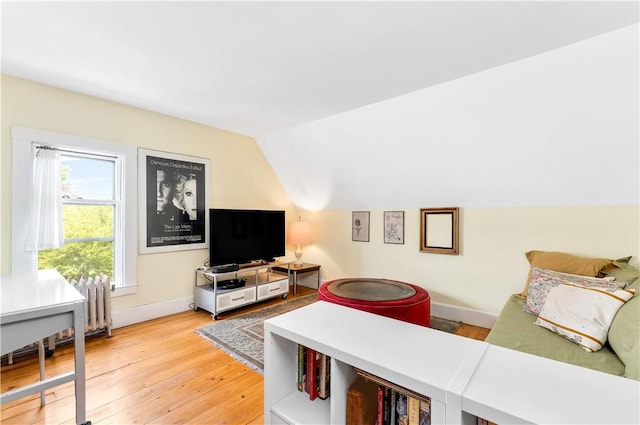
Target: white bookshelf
x=513, y=387
x=464, y=378
x=418, y=358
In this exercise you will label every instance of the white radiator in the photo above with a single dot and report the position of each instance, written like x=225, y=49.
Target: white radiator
x=97, y=294
x=97, y=307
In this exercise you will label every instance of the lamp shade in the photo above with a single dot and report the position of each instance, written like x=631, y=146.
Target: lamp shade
x=299, y=233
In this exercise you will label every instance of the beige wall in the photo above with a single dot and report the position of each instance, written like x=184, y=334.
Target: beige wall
x=491, y=265
x=559, y=128
x=493, y=240
x=240, y=175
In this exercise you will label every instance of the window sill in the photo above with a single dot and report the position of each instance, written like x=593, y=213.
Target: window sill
x=124, y=290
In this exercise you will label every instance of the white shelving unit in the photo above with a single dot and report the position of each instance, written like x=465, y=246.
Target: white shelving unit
x=513, y=387
x=261, y=283
x=418, y=358
x=464, y=378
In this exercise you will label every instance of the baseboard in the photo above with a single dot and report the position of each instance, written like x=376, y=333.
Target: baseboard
x=146, y=312
x=444, y=311
x=464, y=315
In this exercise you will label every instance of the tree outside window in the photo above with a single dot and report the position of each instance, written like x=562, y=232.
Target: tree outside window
x=90, y=209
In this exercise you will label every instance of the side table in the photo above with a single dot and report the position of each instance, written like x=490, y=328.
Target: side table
x=295, y=269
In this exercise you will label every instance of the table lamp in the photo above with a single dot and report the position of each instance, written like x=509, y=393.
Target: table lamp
x=299, y=234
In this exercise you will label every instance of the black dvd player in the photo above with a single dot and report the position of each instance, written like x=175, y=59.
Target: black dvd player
x=225, y=268
x=231, y=283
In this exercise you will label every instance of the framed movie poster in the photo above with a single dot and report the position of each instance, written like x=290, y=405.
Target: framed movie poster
x=173, y=198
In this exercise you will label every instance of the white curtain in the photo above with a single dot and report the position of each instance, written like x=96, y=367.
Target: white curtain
x=45, y=225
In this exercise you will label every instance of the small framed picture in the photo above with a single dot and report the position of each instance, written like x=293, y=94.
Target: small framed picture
x=439, y=230
x=394, y=227
x=360, y=226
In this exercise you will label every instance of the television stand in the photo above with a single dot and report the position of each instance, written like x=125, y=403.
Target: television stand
x=212, y=292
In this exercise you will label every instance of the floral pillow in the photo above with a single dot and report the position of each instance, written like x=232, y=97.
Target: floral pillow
x=582, y=314
x=542, y=281
x=565, y=263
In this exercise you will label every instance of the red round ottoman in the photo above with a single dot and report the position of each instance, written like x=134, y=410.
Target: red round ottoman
x=390, y=298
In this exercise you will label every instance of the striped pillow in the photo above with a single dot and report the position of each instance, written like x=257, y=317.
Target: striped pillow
x=582, y=314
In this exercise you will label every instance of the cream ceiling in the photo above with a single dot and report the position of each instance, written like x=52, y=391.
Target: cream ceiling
x=260, y=67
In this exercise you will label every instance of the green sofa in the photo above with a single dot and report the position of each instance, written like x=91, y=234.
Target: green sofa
x=515, y=329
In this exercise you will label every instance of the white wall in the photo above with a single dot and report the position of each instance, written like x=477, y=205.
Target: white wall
x=538, y=154
x=560, y=128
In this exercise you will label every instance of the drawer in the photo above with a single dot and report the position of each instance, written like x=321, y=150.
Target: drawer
x=272, y=289
x=234, y=299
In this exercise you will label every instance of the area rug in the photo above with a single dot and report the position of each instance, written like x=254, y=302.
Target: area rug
x=242, y=337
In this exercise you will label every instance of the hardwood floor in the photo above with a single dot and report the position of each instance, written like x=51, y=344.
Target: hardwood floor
x=473, y=332
x=157, y=372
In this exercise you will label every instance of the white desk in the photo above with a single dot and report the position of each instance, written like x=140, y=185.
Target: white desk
x=36, y=305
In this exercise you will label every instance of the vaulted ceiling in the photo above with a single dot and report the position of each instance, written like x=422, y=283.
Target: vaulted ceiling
x=259, y=67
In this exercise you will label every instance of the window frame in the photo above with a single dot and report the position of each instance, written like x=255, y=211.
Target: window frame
x=23, y=142
x=115, y=202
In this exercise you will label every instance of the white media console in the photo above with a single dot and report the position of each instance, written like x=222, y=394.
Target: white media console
x=262, y=283
x=465, y=379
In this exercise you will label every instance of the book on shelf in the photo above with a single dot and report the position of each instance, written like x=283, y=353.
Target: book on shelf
x=324, y=376
x=424, y=417
x=392, y=385
x=362, y=402
x=380, y=405
x=386, y=406
x=402, y=409
x=314, y=373
x=386, y=418
x=312, y=366
x=302, y=372
x=392, y=410
x=396, y=405
x=414, y=411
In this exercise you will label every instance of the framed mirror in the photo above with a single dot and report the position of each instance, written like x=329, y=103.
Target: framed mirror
x=439, y=230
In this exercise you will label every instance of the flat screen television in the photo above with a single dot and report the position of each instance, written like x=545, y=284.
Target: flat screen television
x=243, y=236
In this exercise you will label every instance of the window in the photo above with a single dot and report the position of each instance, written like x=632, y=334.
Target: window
x=91, y=204
x=99, y=194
